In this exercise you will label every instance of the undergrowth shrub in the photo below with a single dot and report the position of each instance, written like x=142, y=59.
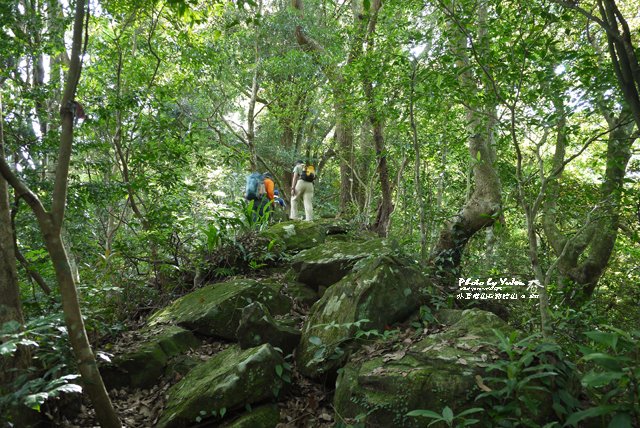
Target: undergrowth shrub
x=52, y=371
x=233, y=244
x=521, y=383
x=611, y=360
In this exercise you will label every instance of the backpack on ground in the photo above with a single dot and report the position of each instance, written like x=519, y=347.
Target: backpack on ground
x=308, y=173
x=255, y=187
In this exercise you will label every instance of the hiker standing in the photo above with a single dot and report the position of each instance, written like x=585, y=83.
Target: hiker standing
x=302, y=186
x=267, y=198
x=259, y=192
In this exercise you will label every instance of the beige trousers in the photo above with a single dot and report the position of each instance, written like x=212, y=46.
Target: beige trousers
x=304, y=190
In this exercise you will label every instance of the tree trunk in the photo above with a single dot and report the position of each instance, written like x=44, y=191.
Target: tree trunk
x=344, y=138
x=51, y=226
x=344, y=126
x=416, y=170
x=587, y=254
x=383, y=220
x=255, y=86
x=483, y=206
x=10, y=305
x=33, y=274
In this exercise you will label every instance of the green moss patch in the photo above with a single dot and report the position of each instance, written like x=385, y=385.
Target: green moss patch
x=230, y=380
x=215, y=310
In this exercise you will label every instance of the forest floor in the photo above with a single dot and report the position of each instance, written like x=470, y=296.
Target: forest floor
x=305, y=403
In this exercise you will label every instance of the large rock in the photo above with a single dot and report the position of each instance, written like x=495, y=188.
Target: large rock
x=257, y=326
x=382, y=290
x=215, y=310
x=145, y=361
x=301, y=293
x=261, y=417
x=327, y=264
x=435, y=372
x=300, y=235
x=230, y=380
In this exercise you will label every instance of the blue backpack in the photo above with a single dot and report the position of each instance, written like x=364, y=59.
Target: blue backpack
x=255, y=187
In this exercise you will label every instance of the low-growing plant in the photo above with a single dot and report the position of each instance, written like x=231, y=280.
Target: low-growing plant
x=521, y=384
x=448, y=417
x=233, y=244
x=613, y=378
x=51, y=372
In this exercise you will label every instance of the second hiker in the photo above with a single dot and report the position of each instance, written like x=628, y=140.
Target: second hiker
x=302, y=187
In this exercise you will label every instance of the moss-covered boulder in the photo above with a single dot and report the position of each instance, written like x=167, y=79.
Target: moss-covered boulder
x=435, y=372
x=257, y=326
x=303, y=294
x=382, y=290
x=147, y=358
x=229, y=380
x=261, y=417
x=300, y=235
x=215, y=310
x=327, y=264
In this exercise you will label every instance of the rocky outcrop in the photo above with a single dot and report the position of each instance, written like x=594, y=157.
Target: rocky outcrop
x=144, y=363
x=305, y=295
x=257, y=327
x=300, y=235
x=379, y=292
x=328, y=263
x=437, y=371
x=261, y=417
x=228, y=381
x=215, y=310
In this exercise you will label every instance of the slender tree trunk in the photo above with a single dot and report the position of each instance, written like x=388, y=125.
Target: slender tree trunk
x=383, y=220
x=33, y=274
x=416, y=170
x=587, y=254
x=483, y=207
x=10, y=305
x=344, y=126
x=51, y=226
x=344, y=138
x=255, y=86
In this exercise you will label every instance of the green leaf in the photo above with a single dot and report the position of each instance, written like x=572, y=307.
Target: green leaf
x=279, y=370
x=223, y=411
x=605, y=338
x=470, y=411
x=621, y=420
x=10, y=327
x=34, y=401
x=315, y=340
x=70, y=388
x=596, y=379
x=425, y=413
x=8, y=348
x=447, y=414
x=589, y=413
x=605, y=360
